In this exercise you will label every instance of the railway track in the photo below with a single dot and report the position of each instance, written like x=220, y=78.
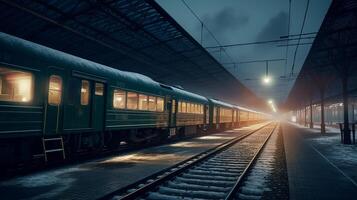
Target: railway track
x=214, y=174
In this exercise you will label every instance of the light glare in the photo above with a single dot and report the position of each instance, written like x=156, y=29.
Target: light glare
x=266, y=80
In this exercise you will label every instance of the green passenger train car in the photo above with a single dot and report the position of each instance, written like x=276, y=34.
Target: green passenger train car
x=47, y=96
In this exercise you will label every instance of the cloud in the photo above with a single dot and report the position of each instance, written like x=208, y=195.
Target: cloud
x=223, y=23
x=276, y=27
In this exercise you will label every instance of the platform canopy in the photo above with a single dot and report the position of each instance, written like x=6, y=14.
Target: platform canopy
x=332, y=57
x=131, y=35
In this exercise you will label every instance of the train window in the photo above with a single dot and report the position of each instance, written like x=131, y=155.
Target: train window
x=196, y=109
x=15, y=85
x=152, y=103
x=85, y=92
x=160, y=104
x=214, y=114
x=183, y=108
x=119, y=98
x=132, y=100
x=54, y=90
x=99, y=89
x=173, y=106
x=188, y=107
x=143, y=102
x=179, y=105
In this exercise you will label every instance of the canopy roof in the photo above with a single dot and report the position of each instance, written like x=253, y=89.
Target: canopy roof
x=131, y=35
x=332, y=56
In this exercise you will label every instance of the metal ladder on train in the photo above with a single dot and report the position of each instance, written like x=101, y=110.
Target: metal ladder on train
x=59, y=141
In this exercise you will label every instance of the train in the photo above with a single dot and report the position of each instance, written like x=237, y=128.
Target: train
x=53, y=102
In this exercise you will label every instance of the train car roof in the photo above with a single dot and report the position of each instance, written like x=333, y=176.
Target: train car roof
x=221, y=103
x=63, y=59
x=184, y=94
x=247, y=109
x=75, y=62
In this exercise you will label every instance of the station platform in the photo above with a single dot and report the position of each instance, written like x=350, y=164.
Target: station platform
x=312, y=173
x=92, y=180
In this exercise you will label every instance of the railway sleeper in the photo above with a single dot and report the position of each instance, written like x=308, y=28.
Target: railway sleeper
x=212, y=172
x=218, y=169
x=209, y=176
x=205, y=182
x=172, y=184
x=191, y=193
x=158, y=196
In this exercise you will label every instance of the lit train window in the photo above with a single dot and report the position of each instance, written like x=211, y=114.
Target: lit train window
x=119, y=98
x=132, y=101
x=99, y=89
x=183, y=108
x=55, y=90
x=214, y=114
x=179, y=105
x=85, y=92
x=15, y=85
x=152, y=103
x=143, y=102
x=188, y=107
x=160, y=104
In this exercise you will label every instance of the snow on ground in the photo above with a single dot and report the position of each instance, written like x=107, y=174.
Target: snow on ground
x=332, y=140
x=53, y=177
x=335, y=150
x=342, y=155
x=256, y=182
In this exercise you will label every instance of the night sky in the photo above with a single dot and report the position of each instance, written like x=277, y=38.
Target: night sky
x=241, y=21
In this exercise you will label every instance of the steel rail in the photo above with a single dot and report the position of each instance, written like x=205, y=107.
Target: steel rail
x=168, y=173
x=239, y=182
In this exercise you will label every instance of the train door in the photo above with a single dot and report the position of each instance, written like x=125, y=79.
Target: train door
x=98, y=105
x=84, y=107
x=206, y=113
x=173, y=111
x=53, y=103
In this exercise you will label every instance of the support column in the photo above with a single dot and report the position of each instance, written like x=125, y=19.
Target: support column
x=346, y=132
x=322, y=93
x=305, y=122
x=353, y=112
x=311, y=120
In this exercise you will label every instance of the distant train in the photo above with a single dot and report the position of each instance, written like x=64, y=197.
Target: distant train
x=51, y=101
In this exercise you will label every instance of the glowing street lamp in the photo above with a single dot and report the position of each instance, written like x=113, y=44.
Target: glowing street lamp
x=266, y=80
x=271, y=103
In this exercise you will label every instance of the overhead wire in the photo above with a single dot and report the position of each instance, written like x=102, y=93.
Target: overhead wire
x=301, y=30
x=208, y=30
x=287, y=42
